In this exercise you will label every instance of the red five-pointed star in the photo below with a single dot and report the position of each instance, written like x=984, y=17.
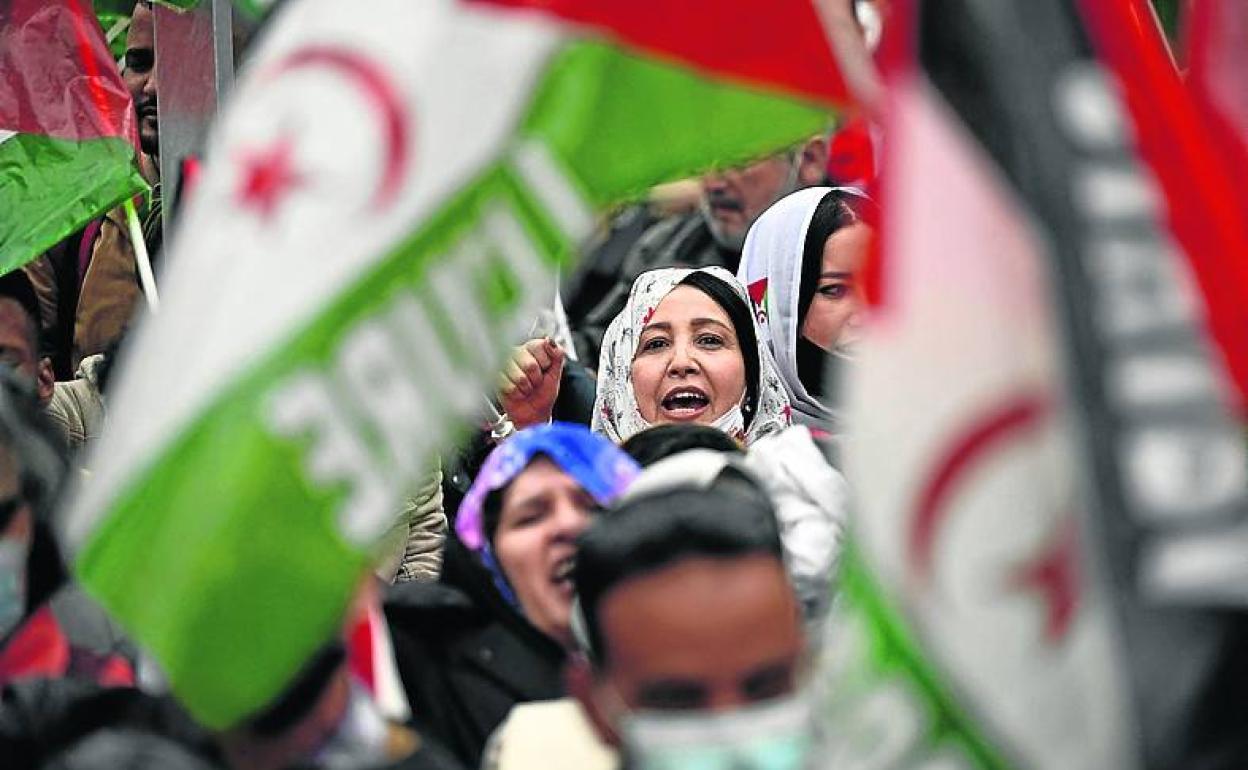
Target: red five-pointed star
x=1054, y=576
x=267, y=176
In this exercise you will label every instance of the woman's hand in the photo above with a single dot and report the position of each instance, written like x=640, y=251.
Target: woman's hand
x=530, y=382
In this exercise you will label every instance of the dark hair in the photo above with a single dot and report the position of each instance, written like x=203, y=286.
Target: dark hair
x=108, y=748
x=16, y=285
x=492, y=505
x=654, y=444
x=492, y=511
x=836, y=210
x=39, y=452
x=732, y=518
x=742, y=323
x=301, y=695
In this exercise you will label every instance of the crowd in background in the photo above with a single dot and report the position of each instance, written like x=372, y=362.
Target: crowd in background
x=629, y=566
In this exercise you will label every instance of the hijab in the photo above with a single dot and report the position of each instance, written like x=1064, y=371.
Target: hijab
x=616, y=414
x=780, y=270
x=600, y=467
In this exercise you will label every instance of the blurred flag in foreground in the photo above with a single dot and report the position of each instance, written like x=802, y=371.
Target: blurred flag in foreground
x=383, y=210
x=67, y=148
x=1043, y=444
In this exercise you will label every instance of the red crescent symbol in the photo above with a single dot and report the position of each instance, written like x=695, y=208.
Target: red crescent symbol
x=1022, y=413
x=384, y=96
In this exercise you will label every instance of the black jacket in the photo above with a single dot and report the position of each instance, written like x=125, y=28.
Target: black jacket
x=678, y=241
x=465, y=657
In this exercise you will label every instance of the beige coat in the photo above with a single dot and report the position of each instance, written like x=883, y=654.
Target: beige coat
x=413, y=547
x=109, y=296
x=77, y=407
x=548, y=735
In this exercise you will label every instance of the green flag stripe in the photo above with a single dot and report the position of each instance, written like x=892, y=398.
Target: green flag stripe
x=625, y=122
x=51, y=187
x=265, y=505
x=897, y=655
x=277, y=562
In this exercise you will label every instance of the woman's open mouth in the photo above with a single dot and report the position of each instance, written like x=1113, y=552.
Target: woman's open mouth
x=561, y=575
x=685, y=403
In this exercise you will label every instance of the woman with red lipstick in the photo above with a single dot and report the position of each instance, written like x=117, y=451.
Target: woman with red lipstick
x=686, y=349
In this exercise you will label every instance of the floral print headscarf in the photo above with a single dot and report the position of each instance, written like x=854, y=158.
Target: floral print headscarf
x=616, y=414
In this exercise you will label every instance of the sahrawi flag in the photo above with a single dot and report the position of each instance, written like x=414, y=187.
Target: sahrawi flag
x=385, y=204
x=66, y=126
x=1041, y=436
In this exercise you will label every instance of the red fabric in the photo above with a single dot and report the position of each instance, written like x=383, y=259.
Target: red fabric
x=57, y=77
x=1203, y=197
x=115, y=672
x=851, y=155
x=774, y=43
x=191, y=170
x=897, y=63
x=1217, y=54
x=360, y=652
x=41, y=649
x=86, y=247
x=38, y=649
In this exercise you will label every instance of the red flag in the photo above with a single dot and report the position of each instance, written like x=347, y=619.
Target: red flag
x=1202, y=178
x=777, y=44
x=67, y=131
x=59, y=77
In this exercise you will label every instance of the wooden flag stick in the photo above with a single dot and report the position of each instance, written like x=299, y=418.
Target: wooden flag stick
x=144, y=263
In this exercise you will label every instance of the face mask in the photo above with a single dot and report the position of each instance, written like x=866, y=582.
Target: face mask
x=361, y=737
x=771, y=736
x=12, y=584
x=731, y=422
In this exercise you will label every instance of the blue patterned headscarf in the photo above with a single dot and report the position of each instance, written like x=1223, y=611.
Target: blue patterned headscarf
x=600, y=467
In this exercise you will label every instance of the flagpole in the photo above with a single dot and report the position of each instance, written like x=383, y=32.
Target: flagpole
x=141, y=259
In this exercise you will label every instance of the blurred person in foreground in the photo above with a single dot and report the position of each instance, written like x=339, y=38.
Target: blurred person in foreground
x=327, y=716
x=330, y=717
x=74, y=407
x=695, y=651
x=662, y=441
x=20, y=347
x=495, y=630
x=48, y=626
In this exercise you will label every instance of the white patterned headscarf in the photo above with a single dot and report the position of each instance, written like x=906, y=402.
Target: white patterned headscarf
x=616, y=414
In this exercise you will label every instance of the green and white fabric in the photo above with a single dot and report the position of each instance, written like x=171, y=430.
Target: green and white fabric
x=385, y=204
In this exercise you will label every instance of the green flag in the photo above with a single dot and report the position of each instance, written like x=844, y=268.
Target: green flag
x=67, y=151
x=385, y=205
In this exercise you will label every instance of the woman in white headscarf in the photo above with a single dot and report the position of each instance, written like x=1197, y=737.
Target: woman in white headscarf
x=810, y=496
x=799, y=266
x=686, y=348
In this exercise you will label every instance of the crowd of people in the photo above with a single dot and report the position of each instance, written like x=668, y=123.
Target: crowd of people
x=630, y=572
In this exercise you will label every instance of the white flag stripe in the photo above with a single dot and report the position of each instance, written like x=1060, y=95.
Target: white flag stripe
x=554, y=189
x=967, y=305
x=229, y=262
